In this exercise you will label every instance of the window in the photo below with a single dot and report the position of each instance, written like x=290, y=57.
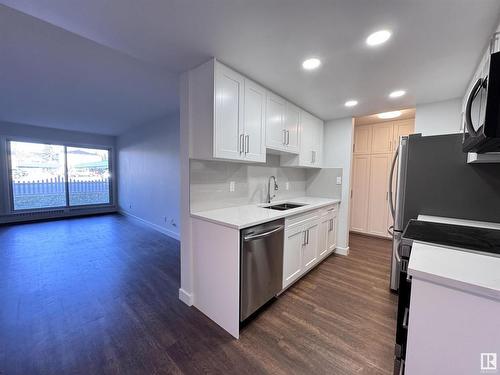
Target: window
x=46, y=176
x=88, y=176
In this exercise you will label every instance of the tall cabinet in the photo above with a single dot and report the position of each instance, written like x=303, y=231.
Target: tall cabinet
x=373, y=152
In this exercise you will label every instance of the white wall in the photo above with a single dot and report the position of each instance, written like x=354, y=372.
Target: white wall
x=9, y=130
x=148, y=169
x=338, y=154
x=439, y=118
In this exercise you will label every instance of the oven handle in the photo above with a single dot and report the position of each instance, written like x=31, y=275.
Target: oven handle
x=260, y=235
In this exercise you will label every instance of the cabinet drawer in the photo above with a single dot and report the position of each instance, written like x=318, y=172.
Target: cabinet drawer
x=329, y=210
x=301, y=219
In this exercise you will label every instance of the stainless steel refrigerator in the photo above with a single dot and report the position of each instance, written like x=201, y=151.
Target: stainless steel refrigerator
x=430, y=176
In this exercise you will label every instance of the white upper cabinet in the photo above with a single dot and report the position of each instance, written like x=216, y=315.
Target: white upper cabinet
x=229, y=106
x=292, y=127
x=275, y=122
x=254, y=132
x=227, y=113
x=310, y=143
x=233, y=118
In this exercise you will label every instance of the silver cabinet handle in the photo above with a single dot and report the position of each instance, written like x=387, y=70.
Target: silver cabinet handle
x=260, y=235
x=287, y=137
x=331, y=225
x=247, y=144
x=242, y=140
x=304, y=242
x=307, y=243
x=284, y=136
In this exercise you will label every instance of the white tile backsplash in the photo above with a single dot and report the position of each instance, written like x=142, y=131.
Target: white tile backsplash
x=210, y=182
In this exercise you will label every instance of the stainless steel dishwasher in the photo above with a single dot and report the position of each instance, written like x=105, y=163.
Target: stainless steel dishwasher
x=261, y=265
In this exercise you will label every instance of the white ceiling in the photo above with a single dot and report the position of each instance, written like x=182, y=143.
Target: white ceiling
x=433, y=51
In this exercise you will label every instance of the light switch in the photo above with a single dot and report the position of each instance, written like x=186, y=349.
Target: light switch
x=339, y=180
x=232, y=187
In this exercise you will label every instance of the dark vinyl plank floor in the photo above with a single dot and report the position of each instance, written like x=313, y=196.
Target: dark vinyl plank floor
x=99, y=295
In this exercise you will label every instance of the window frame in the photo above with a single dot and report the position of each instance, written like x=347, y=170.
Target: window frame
x=67, y=207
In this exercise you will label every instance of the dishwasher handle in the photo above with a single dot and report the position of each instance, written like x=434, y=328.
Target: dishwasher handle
x=261, y=235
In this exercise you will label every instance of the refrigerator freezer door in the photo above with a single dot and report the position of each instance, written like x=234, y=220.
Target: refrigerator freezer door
x=401, y=185
x=399, y=224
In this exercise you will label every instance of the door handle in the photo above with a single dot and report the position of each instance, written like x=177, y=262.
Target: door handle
x=260, y=235
x=391, y=178
x=242, y=141
x=247, y=144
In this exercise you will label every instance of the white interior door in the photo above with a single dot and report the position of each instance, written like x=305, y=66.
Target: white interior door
x=254, y=123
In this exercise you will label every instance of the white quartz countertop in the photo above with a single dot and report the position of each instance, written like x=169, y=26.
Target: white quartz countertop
x=472, y=272
x=240, y=217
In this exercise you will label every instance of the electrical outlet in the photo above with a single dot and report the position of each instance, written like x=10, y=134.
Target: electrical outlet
x=287, y=185
x=339, y=180
x=232, y=186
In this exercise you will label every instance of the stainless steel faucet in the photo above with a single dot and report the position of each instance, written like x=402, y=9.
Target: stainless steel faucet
x=268, y=199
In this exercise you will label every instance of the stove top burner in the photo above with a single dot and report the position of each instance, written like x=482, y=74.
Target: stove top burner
x=465, y=237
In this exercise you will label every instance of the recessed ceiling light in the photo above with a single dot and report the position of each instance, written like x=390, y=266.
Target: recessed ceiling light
x=397, y=94
x=387, y=115
x=351, y=103
x=378, y=37
x=311, y=64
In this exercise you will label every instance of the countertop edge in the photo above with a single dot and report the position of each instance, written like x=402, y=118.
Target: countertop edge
x=283, y=214
x=451, y=281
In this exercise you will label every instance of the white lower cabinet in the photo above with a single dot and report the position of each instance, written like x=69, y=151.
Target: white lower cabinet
x=309, y=238
x=310, y=248
x=292, y=256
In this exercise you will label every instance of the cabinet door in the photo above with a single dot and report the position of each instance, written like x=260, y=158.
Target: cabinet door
x=310, y=250
x=292, y=127
x=292, y=255
x=332, y=234
x=382, y=138
x=317, y=142
x=324, y=227
x=401, y=128
x=378, y=195
x=362, y=139
x=359, y=192
x=254, y=122
x=275, y=122
x=306, y=147
x=228, y=129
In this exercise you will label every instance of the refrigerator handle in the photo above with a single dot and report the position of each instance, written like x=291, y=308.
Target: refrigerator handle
x=391, y=177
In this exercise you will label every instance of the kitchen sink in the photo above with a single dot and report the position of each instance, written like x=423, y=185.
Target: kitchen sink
x=284, y=206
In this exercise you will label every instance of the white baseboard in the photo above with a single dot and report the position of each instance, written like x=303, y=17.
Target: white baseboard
x=151, y=225
x=185, y=297
x=342, y=250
